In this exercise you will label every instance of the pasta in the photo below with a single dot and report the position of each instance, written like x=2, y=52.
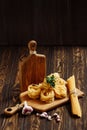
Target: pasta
x=75, y=105
x=52, y=87
x=34, y=91
x=47, y=95
x=60, y=91
x=44, y=85
x=60, y=88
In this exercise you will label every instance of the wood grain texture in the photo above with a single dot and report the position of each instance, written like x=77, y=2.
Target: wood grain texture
x=32, y=70
x=49, y=22
x=66, y=61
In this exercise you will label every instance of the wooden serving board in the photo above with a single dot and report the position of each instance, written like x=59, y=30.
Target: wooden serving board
x=42, y=106
x=32, y=69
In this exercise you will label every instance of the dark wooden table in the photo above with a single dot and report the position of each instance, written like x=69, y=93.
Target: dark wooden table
x=64, y=60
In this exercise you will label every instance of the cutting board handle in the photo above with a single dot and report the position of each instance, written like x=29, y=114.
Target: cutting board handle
x=32, y=45
x=11, y=110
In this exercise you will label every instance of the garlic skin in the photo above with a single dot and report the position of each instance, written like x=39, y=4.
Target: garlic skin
x=44, y=114
x=49, y=117
x=27, y=110
x=57, y=117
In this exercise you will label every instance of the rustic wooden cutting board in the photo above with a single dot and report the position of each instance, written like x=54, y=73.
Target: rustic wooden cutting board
x=42, y=106
x=37, y=104
x=32, y=69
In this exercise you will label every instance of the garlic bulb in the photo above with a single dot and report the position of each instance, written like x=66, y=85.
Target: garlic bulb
x=27, y=110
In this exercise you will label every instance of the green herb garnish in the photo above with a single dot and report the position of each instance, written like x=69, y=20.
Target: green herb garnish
x=51, y=80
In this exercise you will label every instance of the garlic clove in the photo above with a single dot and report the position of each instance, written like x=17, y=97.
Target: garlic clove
x=56, y=117
x=49, y=118
x=44, y=114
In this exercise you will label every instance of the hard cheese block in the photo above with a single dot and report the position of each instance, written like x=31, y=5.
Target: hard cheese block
x=42, y=106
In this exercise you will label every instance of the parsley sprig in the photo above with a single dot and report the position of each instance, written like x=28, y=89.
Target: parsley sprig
x=51, y=80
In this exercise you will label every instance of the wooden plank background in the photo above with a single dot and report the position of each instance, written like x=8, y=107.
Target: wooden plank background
x=47, y=21
x=64, y=60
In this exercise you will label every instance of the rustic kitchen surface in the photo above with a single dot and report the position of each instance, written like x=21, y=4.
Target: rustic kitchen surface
x=67, y=61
